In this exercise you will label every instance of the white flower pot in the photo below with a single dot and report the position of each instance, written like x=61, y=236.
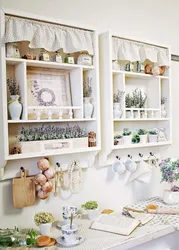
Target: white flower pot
x=93, y=213
x=15, y=108
x=117, y=111
x=87, y=108
x=52, y=145
x=170, y=197
x=45, y=228
x=117, y=141
x=153, y=138
x=129, y=114
x=127, y=139
x=143, y=138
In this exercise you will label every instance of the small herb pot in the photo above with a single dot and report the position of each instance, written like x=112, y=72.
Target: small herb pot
x=118, y=141
x=127, y=139
x=153, y=138
x=93, y=213
x=45, y=228
x=143, y=138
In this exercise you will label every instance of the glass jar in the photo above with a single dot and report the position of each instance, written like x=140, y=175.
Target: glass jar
x=57, y=57
x=140, y=67
x=129, y=67
x=84, y=59
x=44, y=55
x=69, y=59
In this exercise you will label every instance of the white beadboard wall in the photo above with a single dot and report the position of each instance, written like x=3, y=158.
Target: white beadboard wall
x=154, y=21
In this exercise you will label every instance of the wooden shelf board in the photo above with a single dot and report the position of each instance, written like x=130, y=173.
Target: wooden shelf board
x=142, y=109
x=141, y=120
x=140, y=145
x=52, y=120
x=53, y=65
x=137, y=75
x=59, y=152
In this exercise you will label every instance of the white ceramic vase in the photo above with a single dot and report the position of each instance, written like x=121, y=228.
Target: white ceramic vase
x=163, y=111
x=170, y=197
x=117, y=111
x=153, y=138
x=87, y=107
x=15, y=108
x=45, y=228
x=93, y=213
x=143, y=138
x=127, y=139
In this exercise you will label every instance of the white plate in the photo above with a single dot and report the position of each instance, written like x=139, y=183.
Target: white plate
x=61, y=241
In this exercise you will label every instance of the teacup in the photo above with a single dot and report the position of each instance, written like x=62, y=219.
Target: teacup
x=70, y=234
x=66, y=218
x=68, y=210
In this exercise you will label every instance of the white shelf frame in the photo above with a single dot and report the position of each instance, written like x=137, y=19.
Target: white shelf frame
x=72, y=68
x=107, y=76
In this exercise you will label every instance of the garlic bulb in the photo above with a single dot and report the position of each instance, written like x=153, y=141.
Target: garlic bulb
x=37, y=188
x=43, y=164
x=40, y=179
x=49, y=173
x=42, y=195
x=47, y=187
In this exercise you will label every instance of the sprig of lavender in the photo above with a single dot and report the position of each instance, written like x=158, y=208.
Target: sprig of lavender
x=13, y=86
x=118, y=96
x=163, y=100
x=87, y=88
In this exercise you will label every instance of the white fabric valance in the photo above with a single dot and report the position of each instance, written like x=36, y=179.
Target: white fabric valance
x=49, y=36
x=133, y=51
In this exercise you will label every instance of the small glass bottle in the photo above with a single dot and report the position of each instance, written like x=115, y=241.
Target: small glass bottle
x=57, y=57
x=44, y=55
x=129, y=67
x=140, y=67
x=69, y=59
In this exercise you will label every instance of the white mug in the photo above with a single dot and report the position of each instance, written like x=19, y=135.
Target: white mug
x=118, y=167
x=68, y=210
x=131, y=166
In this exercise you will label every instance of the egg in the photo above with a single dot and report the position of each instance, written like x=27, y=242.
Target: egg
x=40, y=179
x=42, y=195
x=49, y=173
x=43, y=164
x=47, y=187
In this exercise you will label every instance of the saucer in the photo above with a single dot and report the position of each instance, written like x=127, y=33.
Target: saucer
x=62, y=242
x=60, y=224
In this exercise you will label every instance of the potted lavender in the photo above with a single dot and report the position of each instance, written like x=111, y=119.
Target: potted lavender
x=170, y=173
x=88, y=107
x=51, y=138
x=15, y=108
x=117, y=111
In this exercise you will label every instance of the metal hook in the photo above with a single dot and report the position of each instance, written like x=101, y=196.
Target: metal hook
x=117, y=157
x=130, y=156
x=152, y=154
x=21, y=168
x=58, y=164
x=141, y=155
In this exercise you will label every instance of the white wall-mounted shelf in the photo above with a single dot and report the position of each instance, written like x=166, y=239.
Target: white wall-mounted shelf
x=147, y=118
x=69, y=114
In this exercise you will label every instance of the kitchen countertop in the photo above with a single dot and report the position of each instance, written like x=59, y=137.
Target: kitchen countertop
x=161, y=225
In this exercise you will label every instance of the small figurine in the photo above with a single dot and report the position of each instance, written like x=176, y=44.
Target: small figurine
x=148, y=69
x=15, y=150
x=92, y=139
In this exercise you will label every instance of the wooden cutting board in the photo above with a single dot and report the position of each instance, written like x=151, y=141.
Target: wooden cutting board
x=23, y=190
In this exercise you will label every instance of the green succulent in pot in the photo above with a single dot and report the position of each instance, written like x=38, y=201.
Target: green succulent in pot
x=142, y=132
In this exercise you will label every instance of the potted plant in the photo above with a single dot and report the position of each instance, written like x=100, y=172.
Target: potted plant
x=170, y=173
x=128, y=103
x=88, y=107
x=143, y=134
x=44, y=221
x=45, y=138
x=153, y=136
x=92, y=209
x=127, y=136
x=117, y=97
x=135, y=138
x=15, y=107
x=163, y=107
x=117, y=139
